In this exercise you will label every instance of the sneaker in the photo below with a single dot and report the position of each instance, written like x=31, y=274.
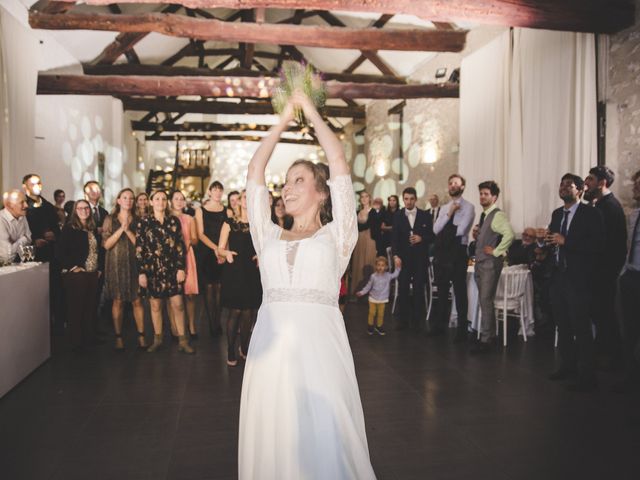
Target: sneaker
x=370, y=330
x=380, y=331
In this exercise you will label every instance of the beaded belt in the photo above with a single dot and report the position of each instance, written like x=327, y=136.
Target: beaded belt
x=300, y=295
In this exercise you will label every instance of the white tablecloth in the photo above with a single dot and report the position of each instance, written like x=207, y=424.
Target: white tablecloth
x=474, y=311
x=24, y=321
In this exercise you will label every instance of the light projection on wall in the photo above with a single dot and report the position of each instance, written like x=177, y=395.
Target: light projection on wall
x=84, y=149
x=229, y=159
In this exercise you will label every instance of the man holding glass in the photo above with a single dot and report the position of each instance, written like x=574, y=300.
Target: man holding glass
x=576, y=237
x=14, y=228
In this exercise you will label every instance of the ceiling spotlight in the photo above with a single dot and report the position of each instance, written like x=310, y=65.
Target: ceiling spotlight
x=441, y=72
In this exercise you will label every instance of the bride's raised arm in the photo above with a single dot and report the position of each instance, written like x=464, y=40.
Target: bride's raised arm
x=328, y=141
x=258, y=163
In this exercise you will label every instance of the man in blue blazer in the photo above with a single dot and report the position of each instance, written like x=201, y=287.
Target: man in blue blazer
x=412, y=235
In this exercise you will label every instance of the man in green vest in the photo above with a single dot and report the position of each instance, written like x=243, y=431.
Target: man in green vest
x=493, y=236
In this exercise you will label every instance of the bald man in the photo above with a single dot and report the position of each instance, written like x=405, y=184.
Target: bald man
x=522, y=252
x=14, y=228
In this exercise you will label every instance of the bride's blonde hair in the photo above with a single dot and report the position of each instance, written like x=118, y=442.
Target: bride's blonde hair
x=321, y=175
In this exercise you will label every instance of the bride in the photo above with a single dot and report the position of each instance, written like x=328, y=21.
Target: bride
x=300, y=415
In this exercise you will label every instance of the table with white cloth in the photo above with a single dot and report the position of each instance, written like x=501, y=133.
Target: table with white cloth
x=24, y=321
x=472, y=294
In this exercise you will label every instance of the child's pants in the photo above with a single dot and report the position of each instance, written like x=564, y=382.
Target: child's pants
x=376, y=309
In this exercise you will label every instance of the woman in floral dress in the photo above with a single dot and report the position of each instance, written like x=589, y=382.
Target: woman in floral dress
x=160, y=253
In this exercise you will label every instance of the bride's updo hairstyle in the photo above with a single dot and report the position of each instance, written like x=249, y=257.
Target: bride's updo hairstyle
x=321, y=176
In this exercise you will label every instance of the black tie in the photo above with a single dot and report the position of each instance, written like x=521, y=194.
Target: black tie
x=96, y=215
x=482, y=217
x=634, y=233
x=563, y=231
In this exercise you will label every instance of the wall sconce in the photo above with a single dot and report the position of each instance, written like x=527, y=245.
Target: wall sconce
x=430, y=153
x=381, y=167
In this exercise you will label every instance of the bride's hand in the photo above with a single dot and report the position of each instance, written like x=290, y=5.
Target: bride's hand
x=299, y=99
x=288, y=113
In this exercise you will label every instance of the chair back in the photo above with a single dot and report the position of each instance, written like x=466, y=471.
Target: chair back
x=511, y=287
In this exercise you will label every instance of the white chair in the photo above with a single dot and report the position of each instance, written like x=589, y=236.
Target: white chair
x=510, y=298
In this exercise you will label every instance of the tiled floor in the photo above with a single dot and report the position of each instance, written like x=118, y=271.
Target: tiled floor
x=432, y=411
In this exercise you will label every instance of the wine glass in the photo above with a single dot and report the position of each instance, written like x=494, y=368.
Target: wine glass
x=22, y=253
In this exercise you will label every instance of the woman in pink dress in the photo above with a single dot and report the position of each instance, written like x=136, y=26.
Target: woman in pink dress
x=188, y=224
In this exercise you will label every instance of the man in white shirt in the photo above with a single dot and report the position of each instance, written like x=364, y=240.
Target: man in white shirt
x=14, y=228
x=450, y=257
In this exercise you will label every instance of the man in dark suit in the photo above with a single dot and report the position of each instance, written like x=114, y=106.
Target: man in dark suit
x=597, y=191
x=412, y=234
x=577, y=237
x=630, y=300
x=93, y=194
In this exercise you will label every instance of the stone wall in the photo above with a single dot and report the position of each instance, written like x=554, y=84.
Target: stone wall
x=423, y=151
x=623, y=109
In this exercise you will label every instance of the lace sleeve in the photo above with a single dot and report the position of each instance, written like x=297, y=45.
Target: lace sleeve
x=345, y=224
x=259, y=213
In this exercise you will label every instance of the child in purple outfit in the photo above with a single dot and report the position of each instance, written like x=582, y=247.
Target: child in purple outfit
x=378, y=289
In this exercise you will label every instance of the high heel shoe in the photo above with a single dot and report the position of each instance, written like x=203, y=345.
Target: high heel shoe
x=119, y=345
x=242, y=355
x=142, y=344
x=157, y=343
x=184, y=347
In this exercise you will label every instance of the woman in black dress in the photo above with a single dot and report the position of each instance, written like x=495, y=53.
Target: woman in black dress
x=241, y=288
x=387, y=220
x=160, y=254
x=209, y=220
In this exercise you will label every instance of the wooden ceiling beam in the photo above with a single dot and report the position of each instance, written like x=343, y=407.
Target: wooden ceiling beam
x=231, y=138
x=124, y=43
x=308, y=35
x=240, y=87
x=163, y=70
x=53, y=7
x=202, y=127
x=225, y=108
x=598, y=16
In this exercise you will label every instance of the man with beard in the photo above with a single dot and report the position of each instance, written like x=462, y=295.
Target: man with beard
x=450, y=260
x=493, y=236
x=576, y=236
x=597, y=192
x=630, y=299
x=42, y=218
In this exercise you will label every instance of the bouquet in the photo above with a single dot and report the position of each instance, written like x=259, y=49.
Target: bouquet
x=298, y=76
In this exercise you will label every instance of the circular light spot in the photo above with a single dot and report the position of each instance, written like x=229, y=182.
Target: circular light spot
x=99, y=123
x=85, y=127
x=414, y=156
x=67, y=153
x=73, y=132
x=359, y=165
x=357, y=186
x=420, y=188
x=369, y=175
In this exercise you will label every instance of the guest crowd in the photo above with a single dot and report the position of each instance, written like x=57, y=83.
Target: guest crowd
x=158, y=253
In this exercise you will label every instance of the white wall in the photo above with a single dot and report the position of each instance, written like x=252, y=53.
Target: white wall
x=64, y=134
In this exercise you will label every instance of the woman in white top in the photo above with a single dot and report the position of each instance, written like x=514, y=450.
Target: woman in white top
x=300, y=413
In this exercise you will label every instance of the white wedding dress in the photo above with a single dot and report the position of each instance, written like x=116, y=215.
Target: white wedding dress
x=300, y=414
